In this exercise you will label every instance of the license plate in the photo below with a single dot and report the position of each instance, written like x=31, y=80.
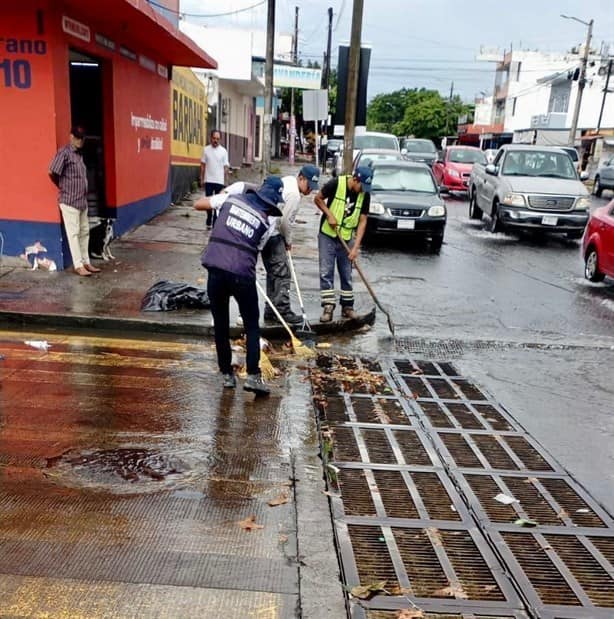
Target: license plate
x=550, y=220
x=406, y=224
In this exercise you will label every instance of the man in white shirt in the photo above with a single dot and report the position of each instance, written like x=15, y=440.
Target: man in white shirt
x=274, y=254
x=213, y=171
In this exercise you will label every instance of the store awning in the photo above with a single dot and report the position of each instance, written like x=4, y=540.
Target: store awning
x=136, y=24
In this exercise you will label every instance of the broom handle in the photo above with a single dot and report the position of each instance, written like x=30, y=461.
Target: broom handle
x=298, y=290
x=362, y=276
x=275, y=310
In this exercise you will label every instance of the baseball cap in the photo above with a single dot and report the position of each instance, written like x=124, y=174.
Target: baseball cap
x=312, y=174
x=78, y=131
x=271, y=192
x=364, y=174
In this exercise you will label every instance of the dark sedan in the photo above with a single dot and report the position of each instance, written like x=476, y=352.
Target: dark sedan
x=405, y=200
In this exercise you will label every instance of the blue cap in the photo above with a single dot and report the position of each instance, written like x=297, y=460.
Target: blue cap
x=312, y=174
x=364, y=174
x=271, y=192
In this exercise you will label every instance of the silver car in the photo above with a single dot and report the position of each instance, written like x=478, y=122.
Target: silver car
x=604, y=179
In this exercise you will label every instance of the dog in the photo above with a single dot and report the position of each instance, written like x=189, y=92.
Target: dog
x=101, y=236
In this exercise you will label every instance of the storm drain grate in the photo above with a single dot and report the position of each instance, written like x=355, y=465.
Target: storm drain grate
x=549, y=501
x=354, y=488
x=429, y=368
x=427, y=563
x=379, y=410
x=394, y=614
x=493, y=451
x=563, y=569
x=465, y=416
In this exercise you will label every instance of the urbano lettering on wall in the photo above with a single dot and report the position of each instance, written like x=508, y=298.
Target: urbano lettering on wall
x=187, y=119
x=15, y=64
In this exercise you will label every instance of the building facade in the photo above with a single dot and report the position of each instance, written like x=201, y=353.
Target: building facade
x=107, y=66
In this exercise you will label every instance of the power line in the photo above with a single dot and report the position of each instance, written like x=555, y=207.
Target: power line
x=184, y=14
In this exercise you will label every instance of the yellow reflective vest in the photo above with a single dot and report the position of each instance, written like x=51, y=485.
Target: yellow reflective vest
x=345, y=225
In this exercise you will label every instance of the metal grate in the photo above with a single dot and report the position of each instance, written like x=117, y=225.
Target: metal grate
x=493, y=417
x=469, y=390
x=344, y=445
x=436, y=414
x=541, y=572
x=437, y=501
x=442, y=388
x=493, y=451
x=371, y=555
x=417, y=387
x=595, y=581
x=576, y=508
x=394, y=614
x=434, y=368
x=412, y=448
x=395, y=495
x=357, y=500
x=332, y=409
x=465, y=417
x=379, y=410
x=379, y=448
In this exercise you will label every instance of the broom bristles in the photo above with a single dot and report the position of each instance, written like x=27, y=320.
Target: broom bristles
x=266, y=367
x=301, y=350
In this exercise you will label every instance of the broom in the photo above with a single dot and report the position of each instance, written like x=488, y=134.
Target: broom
x=299, y=348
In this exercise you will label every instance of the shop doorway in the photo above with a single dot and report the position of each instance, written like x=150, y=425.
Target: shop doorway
x=86, y=107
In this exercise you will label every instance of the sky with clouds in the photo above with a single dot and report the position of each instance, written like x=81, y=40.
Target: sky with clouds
x=423, y=43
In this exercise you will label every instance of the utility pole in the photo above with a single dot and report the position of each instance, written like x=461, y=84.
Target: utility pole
x=581, y=80
x=292, y=144
x=268, y=87
x=449, y=108
x=605, y=94
x=326, y=72
x=352, y=86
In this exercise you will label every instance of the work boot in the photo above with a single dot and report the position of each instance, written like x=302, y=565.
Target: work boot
x=292, y=319
x=327, y=313
x=349, y=313
x=254, y=383
x=229, y=381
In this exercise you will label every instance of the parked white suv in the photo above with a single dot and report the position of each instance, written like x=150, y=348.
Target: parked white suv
x=366, y=139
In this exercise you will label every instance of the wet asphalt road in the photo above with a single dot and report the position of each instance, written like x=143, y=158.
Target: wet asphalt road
x=488, y=285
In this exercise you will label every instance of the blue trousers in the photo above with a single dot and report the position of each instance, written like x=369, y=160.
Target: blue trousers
x=331, y=254
x=221, y=285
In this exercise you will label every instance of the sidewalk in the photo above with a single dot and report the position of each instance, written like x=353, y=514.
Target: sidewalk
x=166, y=248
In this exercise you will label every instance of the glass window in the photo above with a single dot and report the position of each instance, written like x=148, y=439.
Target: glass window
x=539, y=163
x=419, y=146
x=376, y=141
x=403, y=179
x=464, y=155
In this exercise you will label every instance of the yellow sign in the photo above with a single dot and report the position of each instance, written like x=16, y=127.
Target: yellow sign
x=189, y=117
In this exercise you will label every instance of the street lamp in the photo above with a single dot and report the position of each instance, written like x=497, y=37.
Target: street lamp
x=582, y=78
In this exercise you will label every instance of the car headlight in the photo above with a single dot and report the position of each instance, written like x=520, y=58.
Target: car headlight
x=437, y=211
x=582, y=204
x=454, y=173
x=377, y=208
x=513, y=199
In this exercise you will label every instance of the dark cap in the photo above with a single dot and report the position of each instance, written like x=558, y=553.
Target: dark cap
x=312, y=174
x=364, y=174
x=77, y=131
x=271, y=192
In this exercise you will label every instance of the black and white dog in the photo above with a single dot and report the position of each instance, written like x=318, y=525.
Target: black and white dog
x=101, y=235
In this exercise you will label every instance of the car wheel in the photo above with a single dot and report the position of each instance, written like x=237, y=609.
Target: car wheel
x=436, y=243
x=591, y=266
x=575, y=235
x=495, y=223
x=598, y=189
x=475, y=212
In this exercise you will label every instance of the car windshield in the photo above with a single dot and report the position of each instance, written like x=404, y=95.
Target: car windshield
x=376, y=141
x=403, y=179
x=419, y=146
x=334, y=144
x=538, y=163
x=464, y=155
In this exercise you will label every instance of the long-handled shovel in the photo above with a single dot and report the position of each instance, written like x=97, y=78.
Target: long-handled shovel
x=298, y=346
x=368, y=286
x=305, y=326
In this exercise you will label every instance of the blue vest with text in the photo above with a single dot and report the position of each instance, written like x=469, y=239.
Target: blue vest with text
x=233, y=244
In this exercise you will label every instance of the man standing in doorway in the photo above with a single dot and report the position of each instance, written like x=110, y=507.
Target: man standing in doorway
x=344, y=202
x=274, y=254
x=213, y=171
x=68, y=173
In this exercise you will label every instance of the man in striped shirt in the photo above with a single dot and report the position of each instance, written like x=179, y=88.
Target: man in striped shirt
x=67, y=171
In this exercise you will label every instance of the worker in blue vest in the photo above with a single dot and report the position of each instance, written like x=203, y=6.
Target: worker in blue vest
x=238, y=235
x=344, y=202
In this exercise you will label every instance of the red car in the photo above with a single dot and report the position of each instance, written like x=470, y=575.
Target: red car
x=452, y=170
x=598, y=244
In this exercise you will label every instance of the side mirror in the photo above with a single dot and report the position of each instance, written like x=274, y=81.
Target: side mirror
x=491, y=168
x=584, y=175
x=403, y=151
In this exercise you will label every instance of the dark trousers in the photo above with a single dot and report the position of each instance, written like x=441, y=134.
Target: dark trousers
x=210, y=190
x=275, y=260
x=221, y=285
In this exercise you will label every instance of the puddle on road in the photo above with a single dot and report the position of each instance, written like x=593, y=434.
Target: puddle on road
x=128, y=469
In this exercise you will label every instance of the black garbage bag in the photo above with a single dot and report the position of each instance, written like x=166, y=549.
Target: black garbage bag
x=164, y=296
